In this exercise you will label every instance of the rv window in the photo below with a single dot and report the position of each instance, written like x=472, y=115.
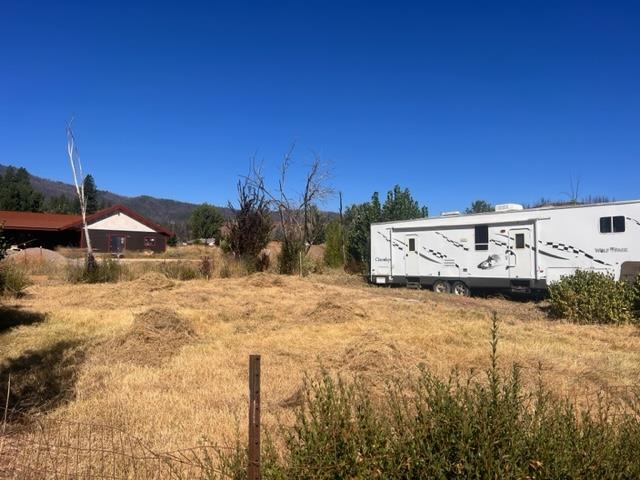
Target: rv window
x=618, y=224
x=412, y=244
x=482, y=237
x=519, y=240
x=612, y=224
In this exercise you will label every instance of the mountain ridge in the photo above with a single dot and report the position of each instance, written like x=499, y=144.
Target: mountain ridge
x=167, y=212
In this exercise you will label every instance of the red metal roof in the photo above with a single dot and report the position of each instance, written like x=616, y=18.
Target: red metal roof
x=37, y=221
x=60, y=221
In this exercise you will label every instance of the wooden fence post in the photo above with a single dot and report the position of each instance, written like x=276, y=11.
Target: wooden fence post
x=253, y=469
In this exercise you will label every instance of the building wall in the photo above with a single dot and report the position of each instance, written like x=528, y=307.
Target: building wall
x=45, y=239
x=103, y=240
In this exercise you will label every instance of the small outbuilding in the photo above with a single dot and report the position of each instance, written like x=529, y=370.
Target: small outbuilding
x=113, y=230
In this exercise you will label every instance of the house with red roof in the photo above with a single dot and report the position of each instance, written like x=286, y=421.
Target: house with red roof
x=112, y=230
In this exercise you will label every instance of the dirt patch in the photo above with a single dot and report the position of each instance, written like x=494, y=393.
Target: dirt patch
x=330, y=310
x=34, y=256
x=155, y=336
x=316, y=253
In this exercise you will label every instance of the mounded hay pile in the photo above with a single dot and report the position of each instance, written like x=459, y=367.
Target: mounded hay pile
x=154, y=281
x=154, y=337
x=264, y=279
x=331, y=311
x=369, y=354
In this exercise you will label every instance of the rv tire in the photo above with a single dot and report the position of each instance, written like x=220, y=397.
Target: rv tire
x=461, y=289
x=441, y=286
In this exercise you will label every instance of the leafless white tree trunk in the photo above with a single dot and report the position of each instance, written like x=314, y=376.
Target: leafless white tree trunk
x=76, y=169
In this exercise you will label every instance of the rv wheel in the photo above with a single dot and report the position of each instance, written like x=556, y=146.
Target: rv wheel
x=460, y=288
x=440, y=286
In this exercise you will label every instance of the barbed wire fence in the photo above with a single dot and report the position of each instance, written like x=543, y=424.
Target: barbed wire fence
x=72, y=450
x=67, y=450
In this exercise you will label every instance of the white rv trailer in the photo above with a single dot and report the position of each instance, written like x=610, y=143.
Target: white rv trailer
x=512, y=248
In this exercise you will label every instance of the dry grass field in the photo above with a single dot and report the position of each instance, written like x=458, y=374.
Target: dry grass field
x=167, y=360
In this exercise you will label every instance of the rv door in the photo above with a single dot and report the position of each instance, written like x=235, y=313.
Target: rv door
x=519, y=253
x=412, y=257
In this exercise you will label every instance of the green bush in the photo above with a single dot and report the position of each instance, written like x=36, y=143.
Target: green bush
x=592, y=297
x=473, y=427
x=13, y=280
x=289, y=258
x=108, y=270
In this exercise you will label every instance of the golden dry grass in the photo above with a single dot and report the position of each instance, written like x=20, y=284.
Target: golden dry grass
x=167, y=360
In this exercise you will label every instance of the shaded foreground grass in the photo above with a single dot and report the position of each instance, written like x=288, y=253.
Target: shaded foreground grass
x=199, y=390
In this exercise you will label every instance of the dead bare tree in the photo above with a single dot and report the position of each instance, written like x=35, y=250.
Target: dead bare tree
x=294, y=211
x=79, y=181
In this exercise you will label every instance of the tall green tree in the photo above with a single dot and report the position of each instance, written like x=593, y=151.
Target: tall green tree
x=333, y=244
x=205, y=221
x=479, y=206
x=16, y=192
x=399, y=205
x=91, y=194
x=61, y=204
x=358, y=219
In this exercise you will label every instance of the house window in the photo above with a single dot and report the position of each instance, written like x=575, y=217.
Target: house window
x=482, y=237
x=612, y=224
x=412, y=244
x=149, y=242
x=519, y=240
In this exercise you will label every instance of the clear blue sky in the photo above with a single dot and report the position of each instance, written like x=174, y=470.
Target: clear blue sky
x=456, y=100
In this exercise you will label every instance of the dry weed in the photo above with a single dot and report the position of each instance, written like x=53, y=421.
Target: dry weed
x=173, y=387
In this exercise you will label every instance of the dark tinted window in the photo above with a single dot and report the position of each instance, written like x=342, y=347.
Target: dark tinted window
x=412, y=244
x=482, y=237
x=519, y=240
x=605, y=224
x=618, y=224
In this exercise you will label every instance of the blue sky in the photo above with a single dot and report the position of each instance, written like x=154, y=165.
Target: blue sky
x=456, y=100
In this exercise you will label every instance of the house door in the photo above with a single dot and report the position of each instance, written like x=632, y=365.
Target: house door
x=116, y=244
x=412, y=257
x=519, y=253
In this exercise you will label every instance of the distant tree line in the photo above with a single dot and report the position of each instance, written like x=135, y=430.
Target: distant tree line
x=17, y=194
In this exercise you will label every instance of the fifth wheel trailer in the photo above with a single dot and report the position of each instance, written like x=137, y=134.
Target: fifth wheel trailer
x=515, y=249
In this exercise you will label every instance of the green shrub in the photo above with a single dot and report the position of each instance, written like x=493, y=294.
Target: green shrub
x=108, y=270
x=13, y=280
x=592, y=297
x=289, y=258
x=472, y=427
x=333, y=245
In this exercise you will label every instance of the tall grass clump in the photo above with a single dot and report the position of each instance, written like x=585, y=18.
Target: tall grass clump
x=107, y=270
x=593, y=297
x=13, y=280
x=482, y=427
x=179, y=270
